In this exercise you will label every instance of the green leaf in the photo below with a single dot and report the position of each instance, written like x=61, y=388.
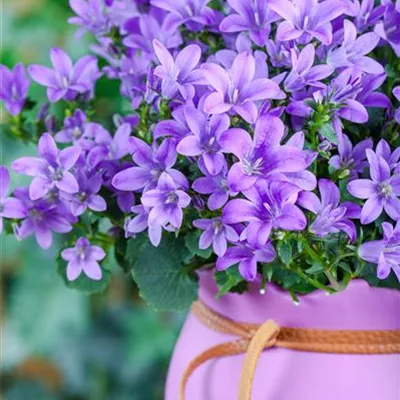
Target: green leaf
x=133, y=249
x=230, y=280
x=162, y=280
x=316, y=268
x=328, y=132
x=285, y=252
x=83, y=283
x=192, y=243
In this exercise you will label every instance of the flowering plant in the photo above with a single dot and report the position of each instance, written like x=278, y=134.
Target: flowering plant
x=259, y=137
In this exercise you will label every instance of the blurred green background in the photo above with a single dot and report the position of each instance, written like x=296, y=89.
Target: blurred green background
x=57, y=343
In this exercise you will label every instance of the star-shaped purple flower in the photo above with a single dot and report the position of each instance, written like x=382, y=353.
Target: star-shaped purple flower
x=353, y=50
x=262, y=155
x=14, y=86
x=269, y=205
x=217, y=234
x=42, y=217
x=180, y=74
x=65, y=80
x=382, y=190
x=385, y=253
x=10, y=207
x=143, y=30
x=83, y=258
x=352, y=158
x=51, y=169
x=304, y=73
x=90, y=16
x=165, y=203
x=305, y=19
x=247, y=257
x=214, y=185
x=87, y=196
x=151, y=163
x=332, y=217
x=254, y=17
x=193, y=13
x=204, y=138
x=78, y=130
x=236, y=90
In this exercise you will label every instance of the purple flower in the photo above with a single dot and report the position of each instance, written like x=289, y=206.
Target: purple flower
x=66, y=80
x=385, y=253
x=139, y=223
x=41, y=218
x=367, y=95
x=214, y=185
x=193, y=13
x=91, y=16
x=83, y=258
x=303, y=73
x=14, y=86
x=262, y=155
x=396, y=93
x=269, y=205
x=51, y=169
x=389, y=28
x=145, y=29
x=236, y=89
x=364, y=13
x=179, y=75
x=113, y=148
x=251, y=16
x=393, y=159
x=349, y=157
x=86, y=197
x=341, y=93
x=279, y=53
x=247, y=257
x=204, y=140
x=332, y=217
x=78, y=130
x=353, y=51
x=152, y=162
x=382, y=190
x=176, y=128
x=132, y=73
x=166, y=203
x=9, y=206
x=305, y=19
x=217, y=233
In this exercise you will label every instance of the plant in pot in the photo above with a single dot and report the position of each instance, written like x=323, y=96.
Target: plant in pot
x=250, y=167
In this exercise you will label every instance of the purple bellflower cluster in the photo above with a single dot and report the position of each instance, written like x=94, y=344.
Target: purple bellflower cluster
x=261, y=136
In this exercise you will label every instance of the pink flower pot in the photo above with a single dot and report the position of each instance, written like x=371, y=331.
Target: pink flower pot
x=285, y=374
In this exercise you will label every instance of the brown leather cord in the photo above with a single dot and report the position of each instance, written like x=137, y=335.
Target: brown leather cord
x=253, y=339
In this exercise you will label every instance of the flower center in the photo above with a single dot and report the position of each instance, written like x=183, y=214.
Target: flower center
x=235, y=95
x=65, y=82
x=82, y=196
x=189, y=11
x=35, y=214
x=76, y=133
x=14, y=91
x=251, y=168
x=81, y=253
x=56, y=174
x=217, y=225
x=172, y=198
x=385, y=189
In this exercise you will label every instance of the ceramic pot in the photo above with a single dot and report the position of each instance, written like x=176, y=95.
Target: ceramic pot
x=286, y=374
